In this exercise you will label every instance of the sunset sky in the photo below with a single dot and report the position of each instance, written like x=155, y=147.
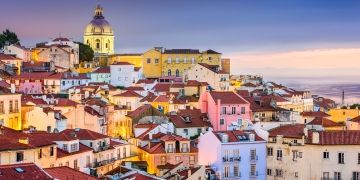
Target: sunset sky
x=275, y=38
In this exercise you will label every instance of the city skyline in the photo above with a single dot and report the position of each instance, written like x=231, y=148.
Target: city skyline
x=258, y=36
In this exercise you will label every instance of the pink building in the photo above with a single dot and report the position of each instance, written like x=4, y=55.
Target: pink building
x=226, y=110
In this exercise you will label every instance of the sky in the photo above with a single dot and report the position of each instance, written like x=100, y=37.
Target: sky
x=282, y=38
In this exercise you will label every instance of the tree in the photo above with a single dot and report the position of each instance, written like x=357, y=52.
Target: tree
x=86, y=53
x=8, y=36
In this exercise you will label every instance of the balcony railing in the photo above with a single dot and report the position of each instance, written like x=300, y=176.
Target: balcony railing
x=102, y=148
x=254, y=174
x=253, y=158
x=104, y=162
x=231, y=159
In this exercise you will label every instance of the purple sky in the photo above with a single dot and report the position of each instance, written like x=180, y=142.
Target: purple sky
x=232, y=26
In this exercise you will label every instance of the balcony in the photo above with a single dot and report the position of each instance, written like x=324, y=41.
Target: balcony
x=237, y=159
x=102, y=148
x=253, y=158
x=254, y=174
x=228, y=159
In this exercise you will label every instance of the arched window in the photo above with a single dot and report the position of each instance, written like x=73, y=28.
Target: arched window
x=106, y=45
x=97, y=44
x=87, y=42
x=169, y=72
x=177, y=73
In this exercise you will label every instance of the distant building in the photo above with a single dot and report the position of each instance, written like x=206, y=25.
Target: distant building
x=122, y=74
x=19, y=51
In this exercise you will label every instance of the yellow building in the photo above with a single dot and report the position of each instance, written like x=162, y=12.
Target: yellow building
x=160, y=62
x=99, y=35
x=135, y=59
x=342, y=115
x=10, y=110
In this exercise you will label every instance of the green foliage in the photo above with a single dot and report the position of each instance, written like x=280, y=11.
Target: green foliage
x=8, y=36
x=86, y=53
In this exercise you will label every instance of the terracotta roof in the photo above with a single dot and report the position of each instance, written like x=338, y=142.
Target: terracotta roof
x=129, y=93
x=184, y=173
x=268, y=98
x=32, y=75
x=84, y=134
x=159, y=147
x=149, y=98
x=196, y=119
x=196, y=83
x=344, y=137
x=189, y=99
x=7, y=57
x=324, y=122
x=181, y=51
x=149, y=127
x=102, y=70
x=210, y=51
x=315, y=114
x=65, y=102
x=122, y=63
x=91, y=111
x=237, y=135
x=82, y=149
x=135, y=88
x=145, y=81
x=355, y=119
x=249, y=85
x=227, y=97
x=162, y=87
x=213, y=68
x=257, y=106
x=23, y=171
x=243, y=93
x=139, y=111
x=177, y=85
x=66, y=173
x=288, y=131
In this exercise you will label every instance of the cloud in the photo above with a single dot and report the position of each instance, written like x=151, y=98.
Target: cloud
x=306, y=63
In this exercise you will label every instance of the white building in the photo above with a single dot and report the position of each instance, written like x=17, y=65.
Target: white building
x=234, y=154
x=212, y=74
x=18, y=51
x=122, y=74
x=73, y=47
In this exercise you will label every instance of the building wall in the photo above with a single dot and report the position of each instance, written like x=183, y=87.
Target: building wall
x=36, y=117
x=342, y=115
x=59, y=56
x=135, y=59
x=121, y=75
x=217, y=81
x=152, y=69
x=100, y=77
x=11, y=118
x=103, y=39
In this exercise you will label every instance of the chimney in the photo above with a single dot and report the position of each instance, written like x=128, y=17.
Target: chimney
x=315, y=137
x=12, y=88
x=252, y=137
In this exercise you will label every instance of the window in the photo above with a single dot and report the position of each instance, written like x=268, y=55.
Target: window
x=242, y=110
x=170, y=148
x=148, y=60
x=226, y=171
x=192, y=60
x=269, y=172
x=169, y=72
x=326, y=176
x=326, y=155
x=11, y=106
x=163, y=159
x=341, y=158
x=1, y=106
x=65, y=147
x=356, y=176
x=19, y=156
x=223, y=110
x=156, y=61
x=295, y=155
x=186, y=132
x=337, y=175
x=169, y=60
x=73, y=147
x=184, y=59
x=270, y=151
x=97, y=42
x=279, y=154
x=233, y=110
x=296, y=174
x=177, y=60
x=279, y=172
x=177, y=73
x=119, y=69
x=67, y=164
x=91, y=144
x=222, y=121
x=358, y=158
x=236, y=170
x=75, y=164
x=253, y=154
x=192, y=160
x=178, y=158
x=51, y=151
x=253, y=170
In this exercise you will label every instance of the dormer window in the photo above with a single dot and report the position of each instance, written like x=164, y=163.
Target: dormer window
x=170, y=148
x=65, y=147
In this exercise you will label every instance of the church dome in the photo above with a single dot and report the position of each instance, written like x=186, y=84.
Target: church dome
x=98, y=25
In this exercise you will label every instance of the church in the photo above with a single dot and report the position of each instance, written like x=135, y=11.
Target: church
x=99, y=36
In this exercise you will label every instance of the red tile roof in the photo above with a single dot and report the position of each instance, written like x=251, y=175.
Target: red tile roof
x=135, y=88
x=139, y=111
x=249, y=85
x=324, y=122
x=84, y=134
x=145, y=81
x=233, y=136
x=149, y=98
x=213, y=68
x=196, y=83
x=356, y=119
x=65, y=102
x=177, y=85
x=195, y=116
x=288, y=131
x=29, y=171
x=102, y=70
x=315, y=114
x=6, y=57
x=227, y=97
x=66, y=173
x=162, y=87
x=346, y=137
x=256, y=106
x=129, y=93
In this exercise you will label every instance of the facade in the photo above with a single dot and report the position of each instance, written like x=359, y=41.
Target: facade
x=12, y=61
x=69, y=45
x=19, y=51
x=293, y=152
x=132, y=58
x=101, y=74
x=122, y=74
x=233, y=154
x=63, y=56
x=212, y=74
x=99, y=35
x=226, y=110
x=10, y=110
